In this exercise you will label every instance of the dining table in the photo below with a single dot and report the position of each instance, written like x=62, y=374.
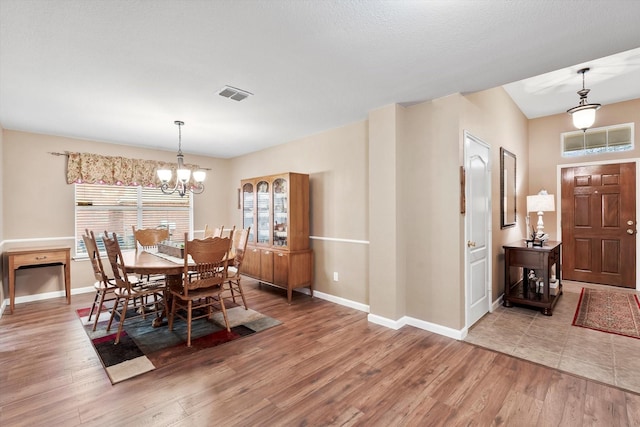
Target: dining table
x=146, y=262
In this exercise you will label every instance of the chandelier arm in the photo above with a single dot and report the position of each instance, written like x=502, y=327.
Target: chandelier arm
x=197, y=189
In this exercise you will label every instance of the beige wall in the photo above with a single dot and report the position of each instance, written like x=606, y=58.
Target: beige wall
x=387, y=266
x=492, y=116
x=544, y=143
x=430, y=179
x=39, y=204
x=337, y=163
x=2, y=262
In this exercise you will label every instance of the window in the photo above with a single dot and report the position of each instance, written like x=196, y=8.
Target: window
x=117, y=208
x=598, y=140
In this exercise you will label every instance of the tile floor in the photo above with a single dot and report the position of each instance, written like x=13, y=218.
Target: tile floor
x=553, y=341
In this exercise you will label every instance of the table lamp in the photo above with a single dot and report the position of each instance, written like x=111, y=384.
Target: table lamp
x=540, y=203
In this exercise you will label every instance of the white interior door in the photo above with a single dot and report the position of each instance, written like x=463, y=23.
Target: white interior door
x=477, y=228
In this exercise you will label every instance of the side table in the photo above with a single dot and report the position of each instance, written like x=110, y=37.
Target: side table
x=520, y=255
x=38, y=257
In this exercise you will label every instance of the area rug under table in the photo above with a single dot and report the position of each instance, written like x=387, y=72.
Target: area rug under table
x=143, y=348
x=609, y=311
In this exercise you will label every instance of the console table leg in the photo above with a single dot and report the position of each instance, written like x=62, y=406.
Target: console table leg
x=547, y=311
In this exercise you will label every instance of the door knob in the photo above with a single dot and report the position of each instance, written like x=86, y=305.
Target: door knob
x=629, y=222
x=471, y=244
x=630, y=231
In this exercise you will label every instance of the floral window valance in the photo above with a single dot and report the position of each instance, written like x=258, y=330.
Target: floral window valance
x=98, y=169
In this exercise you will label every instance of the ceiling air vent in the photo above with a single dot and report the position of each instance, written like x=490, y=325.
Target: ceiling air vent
x=234, y=93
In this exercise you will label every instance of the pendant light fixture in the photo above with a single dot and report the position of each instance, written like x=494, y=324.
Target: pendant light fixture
x=182, y=174
x=584, y=114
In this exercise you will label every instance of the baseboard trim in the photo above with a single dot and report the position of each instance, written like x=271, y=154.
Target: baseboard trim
x=44, y=296
x=341, y=301
x=420, y=324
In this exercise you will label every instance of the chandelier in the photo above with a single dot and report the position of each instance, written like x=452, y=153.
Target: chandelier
x=182, y=174
x=584, y=114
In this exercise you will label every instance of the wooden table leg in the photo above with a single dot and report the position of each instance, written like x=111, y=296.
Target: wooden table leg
x=172, y=281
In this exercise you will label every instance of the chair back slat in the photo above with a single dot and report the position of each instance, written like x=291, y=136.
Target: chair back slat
x=240, y=240
x=114, y=254
x=205, y=262
x=94, y=256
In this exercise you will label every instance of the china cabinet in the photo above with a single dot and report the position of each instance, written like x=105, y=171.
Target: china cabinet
x=276, y=207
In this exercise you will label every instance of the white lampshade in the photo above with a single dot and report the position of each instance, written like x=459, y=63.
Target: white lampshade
x=199, y=175
x=184, y=174
x=164, y=175
x=541, y=203
x=583, y=119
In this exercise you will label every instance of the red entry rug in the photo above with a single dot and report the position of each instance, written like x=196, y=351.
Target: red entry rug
x=609, y=311
x=143, y=348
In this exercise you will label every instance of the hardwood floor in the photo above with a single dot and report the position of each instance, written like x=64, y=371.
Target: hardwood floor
x=325, y=365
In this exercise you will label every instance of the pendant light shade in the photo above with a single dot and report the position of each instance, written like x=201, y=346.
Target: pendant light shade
x=584, y=114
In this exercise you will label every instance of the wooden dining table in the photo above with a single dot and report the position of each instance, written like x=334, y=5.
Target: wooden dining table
x=143, y=262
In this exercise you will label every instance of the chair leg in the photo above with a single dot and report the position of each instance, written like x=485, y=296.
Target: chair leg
x=189, y=307
x=244, y=301
x=122, y=317
x=172, y=312
x=233, y=294
x=93, y=306
x=100, y=305
x=113, y=313
x=224, y=312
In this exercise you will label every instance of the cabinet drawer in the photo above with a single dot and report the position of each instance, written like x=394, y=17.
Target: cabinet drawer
x=528, y=259
x=39, y=258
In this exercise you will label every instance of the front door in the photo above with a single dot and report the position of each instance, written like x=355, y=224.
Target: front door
x=599, y=224
x=478, y=220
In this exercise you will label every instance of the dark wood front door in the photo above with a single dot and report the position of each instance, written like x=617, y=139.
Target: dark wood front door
x=599, y=224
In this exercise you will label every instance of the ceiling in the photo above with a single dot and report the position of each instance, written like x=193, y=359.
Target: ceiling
x=123, y=71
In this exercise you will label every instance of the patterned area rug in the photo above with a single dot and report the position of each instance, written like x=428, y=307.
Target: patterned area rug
x=143, y=348
x=609, y=311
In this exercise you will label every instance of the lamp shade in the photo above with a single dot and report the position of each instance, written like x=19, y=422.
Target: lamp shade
x=541, y=203
x=584, y=118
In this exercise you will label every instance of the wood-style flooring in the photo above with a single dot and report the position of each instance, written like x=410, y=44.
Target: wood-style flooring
x=325, y=365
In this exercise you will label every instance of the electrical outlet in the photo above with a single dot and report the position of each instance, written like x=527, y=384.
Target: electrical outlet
x=335, y=276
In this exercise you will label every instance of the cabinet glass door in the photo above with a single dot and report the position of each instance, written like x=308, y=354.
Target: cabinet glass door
x=263, y=228
x=280, y=212
x=248, y=209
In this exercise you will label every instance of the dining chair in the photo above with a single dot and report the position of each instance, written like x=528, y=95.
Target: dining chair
x=104, y=286
x=127, y=291
x=205, y=271
x=217, y=232
x=148, y=238
x=240, y=239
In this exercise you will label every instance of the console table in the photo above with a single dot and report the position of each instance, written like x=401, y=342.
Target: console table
x=541, y=259
x=38, y=257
